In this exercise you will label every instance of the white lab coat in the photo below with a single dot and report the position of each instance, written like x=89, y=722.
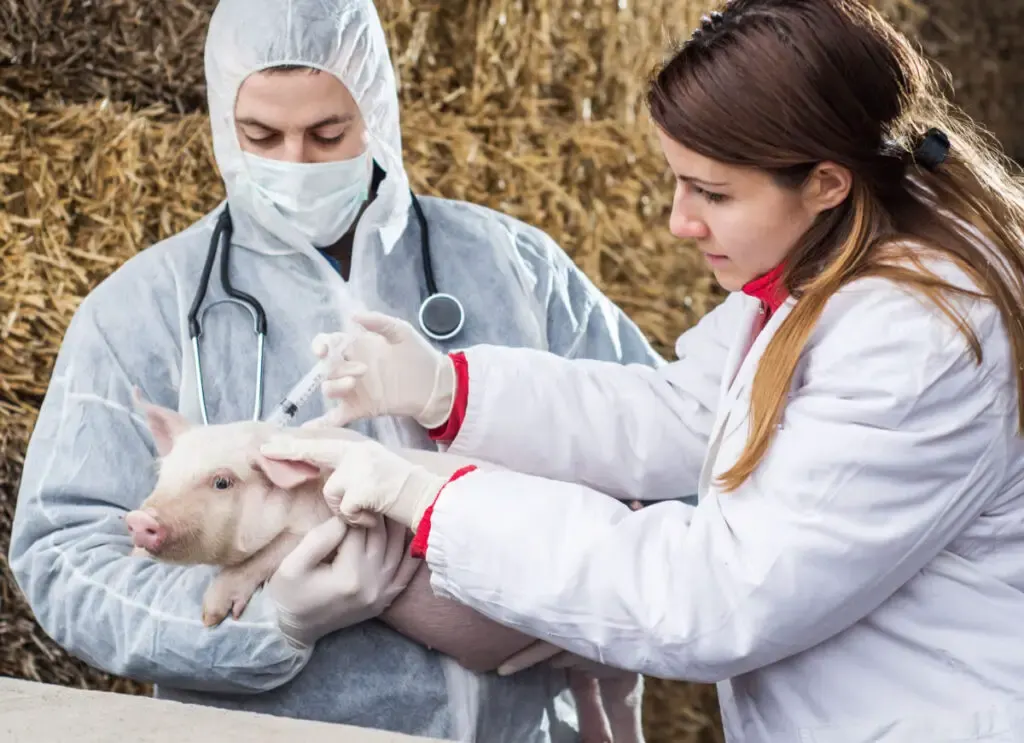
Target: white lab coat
x=864, y=585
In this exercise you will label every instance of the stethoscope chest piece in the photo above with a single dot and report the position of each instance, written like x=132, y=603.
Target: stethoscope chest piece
x=442, y=316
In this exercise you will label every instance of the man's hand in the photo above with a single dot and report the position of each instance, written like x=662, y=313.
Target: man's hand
x=370, y=568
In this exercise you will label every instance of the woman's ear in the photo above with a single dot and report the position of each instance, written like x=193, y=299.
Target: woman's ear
x=828, y=185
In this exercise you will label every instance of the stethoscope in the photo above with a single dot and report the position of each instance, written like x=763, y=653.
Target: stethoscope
x=441, y=315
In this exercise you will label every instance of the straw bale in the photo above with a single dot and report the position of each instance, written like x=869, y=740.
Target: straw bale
x=456, y=54
x=981, y=44
x=87, y=186
x=577, y=58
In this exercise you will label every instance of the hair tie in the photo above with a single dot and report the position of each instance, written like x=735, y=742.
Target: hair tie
x=933, y=149
x=708, y=24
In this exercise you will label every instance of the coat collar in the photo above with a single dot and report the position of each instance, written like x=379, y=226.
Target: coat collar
x=768, y=288
x=759, y=322
x=745, y=352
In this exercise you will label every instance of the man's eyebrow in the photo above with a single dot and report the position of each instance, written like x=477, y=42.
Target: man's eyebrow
x=247, y=121
x=327, y=121
x=333, y=119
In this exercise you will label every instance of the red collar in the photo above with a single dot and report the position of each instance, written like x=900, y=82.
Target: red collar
x=768, y=288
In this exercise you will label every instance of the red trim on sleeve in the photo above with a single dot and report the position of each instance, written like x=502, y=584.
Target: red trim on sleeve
x=418, y=547
x=450, y=429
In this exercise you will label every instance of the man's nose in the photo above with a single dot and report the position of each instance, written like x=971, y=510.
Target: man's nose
x=294, y=149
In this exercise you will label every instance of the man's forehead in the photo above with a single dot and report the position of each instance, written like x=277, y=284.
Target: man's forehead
x=294, y=100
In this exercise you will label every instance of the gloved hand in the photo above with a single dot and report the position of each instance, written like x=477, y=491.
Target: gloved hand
x=385, y=367
x=370, y=569
x=367, y=479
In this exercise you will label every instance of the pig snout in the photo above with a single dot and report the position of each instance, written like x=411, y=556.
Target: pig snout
x=146, y=531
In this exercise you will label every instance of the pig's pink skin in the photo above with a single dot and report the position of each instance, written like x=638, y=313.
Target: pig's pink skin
x=192, y=458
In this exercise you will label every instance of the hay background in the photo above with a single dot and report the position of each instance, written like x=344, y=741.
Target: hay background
x=531, y=108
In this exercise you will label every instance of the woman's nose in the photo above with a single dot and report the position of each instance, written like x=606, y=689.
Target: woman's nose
x=686, y=226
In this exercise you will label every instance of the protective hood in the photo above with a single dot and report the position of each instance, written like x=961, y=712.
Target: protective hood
x=342, y=37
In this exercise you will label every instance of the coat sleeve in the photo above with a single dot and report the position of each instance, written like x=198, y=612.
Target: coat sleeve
x=893, y=442
x=628, y=429
x=89, y=461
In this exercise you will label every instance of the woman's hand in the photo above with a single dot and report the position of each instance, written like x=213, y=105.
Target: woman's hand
x=367, y=479
x=385, y=367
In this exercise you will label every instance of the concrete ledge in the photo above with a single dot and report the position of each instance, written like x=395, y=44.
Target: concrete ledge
x=31, y=712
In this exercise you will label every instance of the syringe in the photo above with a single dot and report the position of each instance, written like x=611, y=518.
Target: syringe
x=299, y=394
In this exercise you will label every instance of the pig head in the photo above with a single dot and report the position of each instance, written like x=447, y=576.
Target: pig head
x=217, y=500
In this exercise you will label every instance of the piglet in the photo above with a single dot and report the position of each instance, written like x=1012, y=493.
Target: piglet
x=218, y=501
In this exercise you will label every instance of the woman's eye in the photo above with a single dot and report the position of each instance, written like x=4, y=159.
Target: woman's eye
x=221, y=483
x=714, y=198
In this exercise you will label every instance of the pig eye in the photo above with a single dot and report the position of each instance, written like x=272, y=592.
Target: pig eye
x=221, y=483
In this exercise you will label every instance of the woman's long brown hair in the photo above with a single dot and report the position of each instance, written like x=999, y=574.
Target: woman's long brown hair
x=783, y=85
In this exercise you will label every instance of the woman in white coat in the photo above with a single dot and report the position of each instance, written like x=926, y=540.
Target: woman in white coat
x=850, y=416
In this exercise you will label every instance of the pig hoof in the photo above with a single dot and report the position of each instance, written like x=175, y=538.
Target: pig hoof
x=213, y=618
x=216, y=611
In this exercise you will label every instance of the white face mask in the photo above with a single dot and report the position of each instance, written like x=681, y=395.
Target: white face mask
x=321, y=200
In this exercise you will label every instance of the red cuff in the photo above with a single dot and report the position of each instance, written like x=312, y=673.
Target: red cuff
x=448, y=430
x=418, y=547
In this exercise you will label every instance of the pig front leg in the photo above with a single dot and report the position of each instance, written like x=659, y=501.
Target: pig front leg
x=230, y=591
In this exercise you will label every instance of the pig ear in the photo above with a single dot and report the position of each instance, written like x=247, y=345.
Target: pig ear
x=165, y=424
x=286, y=474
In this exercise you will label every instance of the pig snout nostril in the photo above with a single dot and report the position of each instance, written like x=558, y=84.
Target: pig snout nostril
x=146, y=531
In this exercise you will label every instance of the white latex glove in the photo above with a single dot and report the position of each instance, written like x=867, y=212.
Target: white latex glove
x=370, y=569
x=367, y=479
x=385, y=367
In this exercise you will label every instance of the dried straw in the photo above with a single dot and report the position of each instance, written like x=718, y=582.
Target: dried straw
x=982, y=46
x=578, y=58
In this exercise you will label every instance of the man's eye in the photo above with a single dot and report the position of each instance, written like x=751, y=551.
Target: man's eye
x=329, y=140
x=261, y=138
